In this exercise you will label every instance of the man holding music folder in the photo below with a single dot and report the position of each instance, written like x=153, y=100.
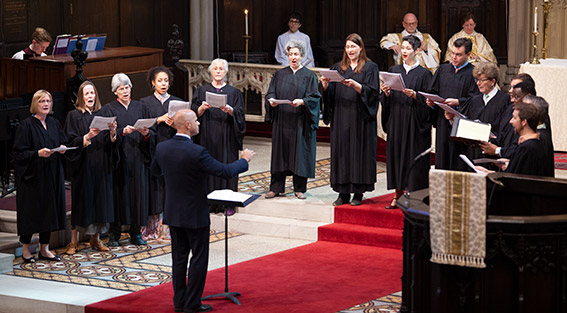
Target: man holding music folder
x=185, y=165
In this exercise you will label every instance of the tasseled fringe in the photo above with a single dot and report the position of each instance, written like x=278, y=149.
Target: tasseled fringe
x=460, y=260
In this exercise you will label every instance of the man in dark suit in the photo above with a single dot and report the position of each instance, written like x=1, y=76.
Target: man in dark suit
x=185, y=166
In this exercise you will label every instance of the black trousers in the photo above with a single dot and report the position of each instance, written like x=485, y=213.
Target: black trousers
x=187, y=293
x=277, y=182
x=43, y=238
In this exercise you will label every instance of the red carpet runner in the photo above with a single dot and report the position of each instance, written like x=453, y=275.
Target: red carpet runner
x=321, y=277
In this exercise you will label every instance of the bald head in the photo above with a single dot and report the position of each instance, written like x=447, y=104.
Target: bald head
x=410, y=23
x=185, y=122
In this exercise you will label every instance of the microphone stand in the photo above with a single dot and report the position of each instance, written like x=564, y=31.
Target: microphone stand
x=404, y=183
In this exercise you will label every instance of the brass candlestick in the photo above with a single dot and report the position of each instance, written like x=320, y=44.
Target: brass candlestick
x=535, y=59
x=546, y=8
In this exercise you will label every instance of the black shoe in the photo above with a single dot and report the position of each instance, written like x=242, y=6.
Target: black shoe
x=31, y=259
x=343, y=198
x=138, y=240
x=179, y=309
x=55, y=258
x=113, y=240
x=201, y=308
x=357, y=199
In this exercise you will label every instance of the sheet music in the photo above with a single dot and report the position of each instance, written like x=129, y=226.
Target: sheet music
x=101, y=122
x=215, y=100
x=334, y=75
x=91, y=44
x=145, y=122
x=431, y=96
x=176, y=105
x=450, y=109
x=63, y=149
x=63, y=42
x=469, y=163
x=394, y=80
x=473, y=130
x=228, y=195
x=280, y=101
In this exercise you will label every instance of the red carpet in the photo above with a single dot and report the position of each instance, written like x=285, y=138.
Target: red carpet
x=320, y=277
x=561, y=161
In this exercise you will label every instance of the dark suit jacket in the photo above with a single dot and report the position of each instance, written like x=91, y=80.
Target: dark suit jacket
x=185, y=166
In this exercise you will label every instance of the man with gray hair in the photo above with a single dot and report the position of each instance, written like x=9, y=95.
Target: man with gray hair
x=294, y=23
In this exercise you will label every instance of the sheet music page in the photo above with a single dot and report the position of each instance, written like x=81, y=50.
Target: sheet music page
x=63, y=149
x=215, y=100
x=101, y=122
x=228, y=195
x=469, y=163
x=450, y=109
x=176, y=105
x=145, y=122
x=432, y=97
x=394, y=80
x=280, y=101
x=334, y=75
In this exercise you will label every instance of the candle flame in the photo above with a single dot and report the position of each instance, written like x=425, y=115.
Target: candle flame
x=246, y=11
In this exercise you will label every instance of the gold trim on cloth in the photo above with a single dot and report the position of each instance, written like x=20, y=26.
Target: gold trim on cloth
x=457, y=216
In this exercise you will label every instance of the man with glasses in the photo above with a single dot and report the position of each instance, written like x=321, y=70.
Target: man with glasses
x=294, y=23
x=429, y=52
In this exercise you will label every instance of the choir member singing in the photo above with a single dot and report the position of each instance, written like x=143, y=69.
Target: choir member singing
x=351, y=107
x=294, y=124
x=91, y=170
x=131, y=177
x=39, y=175
x=406, y=120
x=160, y=79
x=222, y=128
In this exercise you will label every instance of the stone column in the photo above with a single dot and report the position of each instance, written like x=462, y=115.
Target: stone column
x=201, y=29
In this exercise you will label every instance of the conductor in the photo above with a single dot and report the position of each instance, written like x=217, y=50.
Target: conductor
x=185, y=166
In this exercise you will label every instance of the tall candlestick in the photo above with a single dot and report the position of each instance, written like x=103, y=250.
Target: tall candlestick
x=535, y=20
x=246, y=21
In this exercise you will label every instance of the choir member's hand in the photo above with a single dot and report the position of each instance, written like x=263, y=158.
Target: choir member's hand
x=452, y=102
x=297, y=102
x=204, y=107
x=397, y=49
x=488, y=148
x=410, y=93
x=353, y=84
x=92, y=133
x=44, y=153
x=112, y=126
x=429, y=103
x=63, y=146
x=227, y=109
x=128, y=130
x=144, y=131
x=163, y=118
x=325, y=82
x=424, y=46
x=247, y=154
x=272, y=103
x=386, y=89
x=449, y=117
x=483, y=169
x=504, y=163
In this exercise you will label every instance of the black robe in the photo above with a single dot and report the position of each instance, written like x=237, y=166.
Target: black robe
x=163, y=132
x=40, y=182
x=506, y=137
x=353, y=129
x=131, y=177
x=532, y=158
x=491, y=113
x=407, y=123
x=294, y=129
x=220, y=133
x=448, y=84
x=91, y=171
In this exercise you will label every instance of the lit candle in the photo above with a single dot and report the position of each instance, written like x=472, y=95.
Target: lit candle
x=535, y=20
x=246, y=21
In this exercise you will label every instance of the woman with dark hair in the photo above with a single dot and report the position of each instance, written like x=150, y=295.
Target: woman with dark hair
x=222, y=129
x=405, y=118
x=351, y=107
x=40, y=182
x=91, y=169
x=160, y=79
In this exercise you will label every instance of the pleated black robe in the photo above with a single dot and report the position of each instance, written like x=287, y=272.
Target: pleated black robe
x=294, y=129
x=91, y=172
x=352, y=117
x=407, y=123
x=163, y=132
x=40, y=182
x=131, y=176
x=448, y=84
x=532, y=158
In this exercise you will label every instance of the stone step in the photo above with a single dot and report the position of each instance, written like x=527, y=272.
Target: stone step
x=8, y=221
x=6, y=261
x=291, y=208
x=268, y=226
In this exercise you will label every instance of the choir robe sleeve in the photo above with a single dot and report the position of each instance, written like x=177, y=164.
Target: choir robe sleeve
x=370, y=89
x=238, y=116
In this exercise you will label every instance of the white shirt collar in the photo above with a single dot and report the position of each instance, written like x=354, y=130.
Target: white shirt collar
x=183, y=135
x=490, y=95
x=409, y=68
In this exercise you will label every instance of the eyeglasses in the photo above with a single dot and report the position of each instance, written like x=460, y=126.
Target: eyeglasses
x=483, y=79
x=45, y=101
x=293, y=21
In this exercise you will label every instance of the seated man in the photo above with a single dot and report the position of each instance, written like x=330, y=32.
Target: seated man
x=40, y=41
x=430, y=53
x=294, y=23
x=532, y=156
x=481, y=51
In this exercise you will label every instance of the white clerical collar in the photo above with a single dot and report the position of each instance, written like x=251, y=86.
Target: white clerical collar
x=490, y=95
x=411, y=67
x=183, y=135
x=417, y=33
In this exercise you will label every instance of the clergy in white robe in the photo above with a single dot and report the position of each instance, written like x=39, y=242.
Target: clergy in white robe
x=294, y=23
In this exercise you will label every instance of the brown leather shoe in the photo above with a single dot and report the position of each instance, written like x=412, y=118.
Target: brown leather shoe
x=270, y=194
x=300, y=195
x=71, y=248
x=98, y=245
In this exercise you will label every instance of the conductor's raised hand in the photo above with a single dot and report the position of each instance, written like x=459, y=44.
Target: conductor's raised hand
x=247, y=154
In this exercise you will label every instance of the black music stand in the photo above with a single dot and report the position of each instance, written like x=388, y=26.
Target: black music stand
x=227, y=203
